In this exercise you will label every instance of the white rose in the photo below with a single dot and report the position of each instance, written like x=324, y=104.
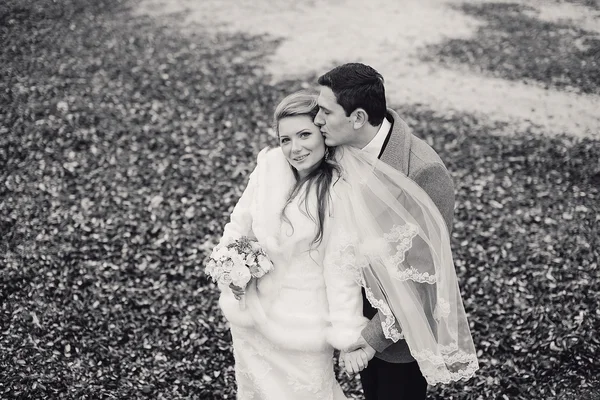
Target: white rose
x=217, y=272
x=240, y=276
x=236, y=257
x=210, y=267
x=228, y=265
x=265, y=264
x=220, y=253
x=225, y=278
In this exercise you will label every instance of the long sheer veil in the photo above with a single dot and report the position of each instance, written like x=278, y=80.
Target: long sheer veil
x=390, y=236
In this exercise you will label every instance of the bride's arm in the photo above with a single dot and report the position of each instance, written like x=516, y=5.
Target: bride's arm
x=240, y=224
x=240, y=220
x=345, y=304
x=343, y=290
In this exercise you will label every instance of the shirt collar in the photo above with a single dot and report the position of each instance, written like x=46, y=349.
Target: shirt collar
x=374, y=146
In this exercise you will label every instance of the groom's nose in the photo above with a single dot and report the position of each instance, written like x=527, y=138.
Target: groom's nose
x=319, y=120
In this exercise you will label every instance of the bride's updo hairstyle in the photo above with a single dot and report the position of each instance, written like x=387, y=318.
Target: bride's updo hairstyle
x=321, y=177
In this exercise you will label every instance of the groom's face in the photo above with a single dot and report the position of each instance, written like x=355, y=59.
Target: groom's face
x=336, y=126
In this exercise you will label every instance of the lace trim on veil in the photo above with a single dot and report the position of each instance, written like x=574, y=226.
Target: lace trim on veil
x=452, y=364
x=449, y=367
x=347, y=262
x=389, y=324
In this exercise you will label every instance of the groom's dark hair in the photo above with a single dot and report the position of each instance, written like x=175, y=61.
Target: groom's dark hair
x=357, y=85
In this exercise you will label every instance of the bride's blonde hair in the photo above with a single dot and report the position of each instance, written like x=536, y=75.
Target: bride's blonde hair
x=322, y=177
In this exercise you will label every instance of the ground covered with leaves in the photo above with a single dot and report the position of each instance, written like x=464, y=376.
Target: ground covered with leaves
x=124, y=145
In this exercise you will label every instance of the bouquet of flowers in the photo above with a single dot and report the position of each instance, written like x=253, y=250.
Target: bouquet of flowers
x=237, y=263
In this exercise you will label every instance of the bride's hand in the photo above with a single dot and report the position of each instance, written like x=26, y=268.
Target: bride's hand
x=238, y=292
x=354, y=361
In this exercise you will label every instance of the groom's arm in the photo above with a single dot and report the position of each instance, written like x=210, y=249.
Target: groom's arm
x=437, y=183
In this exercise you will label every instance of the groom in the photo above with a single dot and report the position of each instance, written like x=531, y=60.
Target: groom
x=352, y=111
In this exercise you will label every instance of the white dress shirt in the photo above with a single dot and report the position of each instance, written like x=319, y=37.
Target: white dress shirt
x=376, y=144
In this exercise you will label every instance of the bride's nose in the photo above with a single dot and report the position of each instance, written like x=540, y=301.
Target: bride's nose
x=296, y=147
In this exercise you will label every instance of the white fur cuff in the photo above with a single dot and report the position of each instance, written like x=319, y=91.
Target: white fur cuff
x=343, y=337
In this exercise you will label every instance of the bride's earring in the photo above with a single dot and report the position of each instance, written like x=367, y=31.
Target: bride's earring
x=326, y=153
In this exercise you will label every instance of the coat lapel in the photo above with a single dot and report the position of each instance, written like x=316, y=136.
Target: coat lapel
x=396, y=152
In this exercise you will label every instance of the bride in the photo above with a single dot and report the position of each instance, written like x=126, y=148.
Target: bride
x=332, y=221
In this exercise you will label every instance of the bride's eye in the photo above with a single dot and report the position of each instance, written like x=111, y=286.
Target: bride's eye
x=305, y=134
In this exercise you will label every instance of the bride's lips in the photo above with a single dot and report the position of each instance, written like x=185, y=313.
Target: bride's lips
x=301, y=158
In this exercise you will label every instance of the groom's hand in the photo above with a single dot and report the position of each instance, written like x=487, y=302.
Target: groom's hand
x=361, y=343
x=354, y=362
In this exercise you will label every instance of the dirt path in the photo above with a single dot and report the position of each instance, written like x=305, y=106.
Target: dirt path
x=319, y=34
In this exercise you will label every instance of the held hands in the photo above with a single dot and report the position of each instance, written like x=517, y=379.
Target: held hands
x=356, y=357
x=354, y=361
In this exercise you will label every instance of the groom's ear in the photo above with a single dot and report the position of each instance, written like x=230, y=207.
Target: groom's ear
x=359, y=118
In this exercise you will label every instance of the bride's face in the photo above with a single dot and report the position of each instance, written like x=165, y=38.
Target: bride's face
x=301, y=142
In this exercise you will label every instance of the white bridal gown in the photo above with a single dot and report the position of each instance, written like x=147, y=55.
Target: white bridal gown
x=284, y=338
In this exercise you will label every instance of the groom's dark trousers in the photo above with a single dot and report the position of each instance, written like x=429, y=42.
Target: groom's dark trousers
x=383, y=380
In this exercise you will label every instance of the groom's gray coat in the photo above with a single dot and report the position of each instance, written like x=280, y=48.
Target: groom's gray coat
x=415, y=158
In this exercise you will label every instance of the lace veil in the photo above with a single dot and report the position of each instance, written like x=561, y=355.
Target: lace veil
x=389, y=234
